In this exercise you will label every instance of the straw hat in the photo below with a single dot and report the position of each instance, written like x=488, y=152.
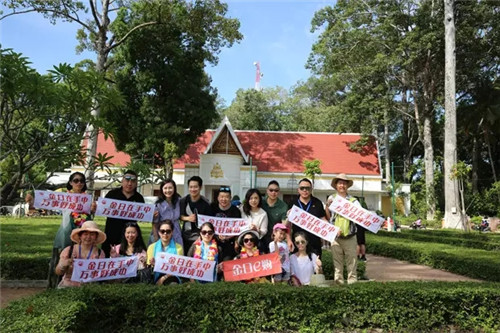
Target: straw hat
x=90, y=226
x=341, y=176
x=253, y=232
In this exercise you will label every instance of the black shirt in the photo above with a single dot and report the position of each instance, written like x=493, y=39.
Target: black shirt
x=201, y=206
x=313, y=207
x=227, y=245
x=114, y=227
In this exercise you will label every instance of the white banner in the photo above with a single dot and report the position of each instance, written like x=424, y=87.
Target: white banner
x=357, y=214
x=173, y=264
x=314, y=225
x=89, y=270
x=225, y=226
x=125, y=210
x=74, y=202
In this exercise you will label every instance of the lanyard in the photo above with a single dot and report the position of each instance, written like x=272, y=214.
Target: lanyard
x=80, y=252
x=307, y=207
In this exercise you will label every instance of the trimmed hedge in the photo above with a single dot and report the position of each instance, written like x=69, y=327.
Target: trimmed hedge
x=467, y=240
x=235, y=307
x=480, y=264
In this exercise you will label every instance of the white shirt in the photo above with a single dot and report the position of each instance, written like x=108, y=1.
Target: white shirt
x=284, y=254
x=303, y=268
x=258, y=218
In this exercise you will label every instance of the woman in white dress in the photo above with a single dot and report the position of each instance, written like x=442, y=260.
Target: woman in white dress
x=304, y=263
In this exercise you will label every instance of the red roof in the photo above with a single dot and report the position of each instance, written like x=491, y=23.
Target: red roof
x=281, y=152
x=286, y=151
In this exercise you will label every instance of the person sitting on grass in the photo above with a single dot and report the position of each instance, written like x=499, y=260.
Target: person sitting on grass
x=166, y=244
x=304, y=263
x=86, y=238
x=132, y=244
x=248, y=241
x=280, y=246
x=206, y=247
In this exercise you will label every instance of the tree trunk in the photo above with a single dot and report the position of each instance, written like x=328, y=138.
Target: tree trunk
x=452, y=213
x=429, y=166
x=387, y=145
x=475, y=164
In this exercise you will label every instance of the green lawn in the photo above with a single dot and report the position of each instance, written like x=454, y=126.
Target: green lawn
x=26, y=245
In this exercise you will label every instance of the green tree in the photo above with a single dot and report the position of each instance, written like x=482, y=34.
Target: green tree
x=43, y=117
x=160, y=71
x=312, y=168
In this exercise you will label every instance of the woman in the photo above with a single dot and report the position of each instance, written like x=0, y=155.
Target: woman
x=133, y=244
x=167, y=208
x=86, y=238
x=206, y=246
x=248, y=241
x=252, y=212
x=70, y=221
x=166, y=244
x=304, y=263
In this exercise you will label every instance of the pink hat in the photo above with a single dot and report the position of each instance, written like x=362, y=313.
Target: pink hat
x=280, y=226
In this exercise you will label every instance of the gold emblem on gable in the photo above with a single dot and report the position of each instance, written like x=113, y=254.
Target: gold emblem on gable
x=217, y=171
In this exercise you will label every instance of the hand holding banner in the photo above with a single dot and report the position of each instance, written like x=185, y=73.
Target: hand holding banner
x=126, y=210
x=314, y=225
x=89, y=270
x=357, y=214
x=225, y=226
x=73, y=202
x=252, y=267
x=173, y=264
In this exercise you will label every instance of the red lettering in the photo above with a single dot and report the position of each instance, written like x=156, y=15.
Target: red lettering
x=91, y=265
x=113, y=205
x=101, y=265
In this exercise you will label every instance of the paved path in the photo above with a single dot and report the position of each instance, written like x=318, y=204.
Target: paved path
x=384, y=269
x=380, y=269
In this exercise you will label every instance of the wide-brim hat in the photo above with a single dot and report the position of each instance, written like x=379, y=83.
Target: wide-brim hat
x=89, y=226
x=246, y=232
x=341, y=176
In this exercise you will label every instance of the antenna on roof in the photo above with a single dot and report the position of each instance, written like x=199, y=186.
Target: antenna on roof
x=258, y=75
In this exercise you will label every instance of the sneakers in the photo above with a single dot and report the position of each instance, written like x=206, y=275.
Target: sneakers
x=362, y=258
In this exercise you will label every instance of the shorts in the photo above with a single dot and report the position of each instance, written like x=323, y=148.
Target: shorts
x=284, y=276
x=360, y=235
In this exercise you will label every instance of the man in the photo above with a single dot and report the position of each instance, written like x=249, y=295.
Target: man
x=276, y=213
x=127, y=192
x=191, y=205
x=222, y=207
x=344, y=246
x=313, y=206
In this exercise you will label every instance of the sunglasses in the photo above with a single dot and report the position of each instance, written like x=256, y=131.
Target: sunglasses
x=130, y=178
x=248, y=240
x=224, y=189
x=305, y=188
x=165, y=231
x=275, y=190
x=207, y=232
x=78, y=180
x=300, y=242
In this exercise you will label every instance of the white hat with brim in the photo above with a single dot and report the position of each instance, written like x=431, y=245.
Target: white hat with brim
x=341, y=176
x=89, y=226
x=246, y=232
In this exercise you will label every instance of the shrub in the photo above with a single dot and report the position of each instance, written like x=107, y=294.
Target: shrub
x=481, y=264
x=235, y=307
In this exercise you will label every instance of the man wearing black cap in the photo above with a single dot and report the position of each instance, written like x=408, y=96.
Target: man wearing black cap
x=127, y=192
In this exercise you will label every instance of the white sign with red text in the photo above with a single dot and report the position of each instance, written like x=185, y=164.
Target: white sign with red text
x=89, y=270
x=225, y=226
x=74, y=202
x=191, y=268
x=357, y=214
x=126, y=210
x=314, y=225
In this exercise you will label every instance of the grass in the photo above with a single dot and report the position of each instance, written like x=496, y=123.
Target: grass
x=26, y=245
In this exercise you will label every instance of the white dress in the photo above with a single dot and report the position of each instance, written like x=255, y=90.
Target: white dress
x=303, y=268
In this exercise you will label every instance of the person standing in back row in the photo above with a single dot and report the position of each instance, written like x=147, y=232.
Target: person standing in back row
x=344, y=246
x=313, y=206
x=115, y=227
x=192, y=205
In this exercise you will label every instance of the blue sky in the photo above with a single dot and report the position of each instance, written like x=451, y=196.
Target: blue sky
x=276, y=33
